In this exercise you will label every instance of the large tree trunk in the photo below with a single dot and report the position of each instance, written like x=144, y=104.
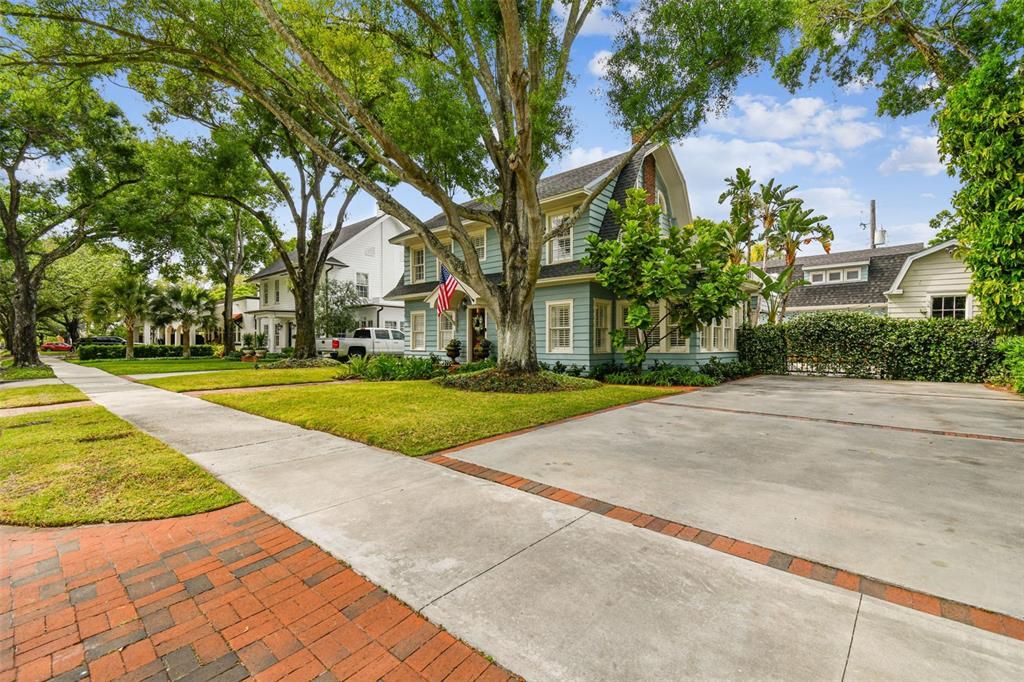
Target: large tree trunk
x=304, y=344
x=186, y=341
x=229, y=317
x=517, y=335
x=25, y=347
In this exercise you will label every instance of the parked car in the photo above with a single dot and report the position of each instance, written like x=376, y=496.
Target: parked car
x=102, y=341
x=365, y=341
x=57, y=346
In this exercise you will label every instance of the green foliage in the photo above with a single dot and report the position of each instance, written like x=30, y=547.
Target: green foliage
x=687, y=270
x=912, y=50
x=335, y=305
x=982, y=137
x=497, y=381
x=395, y=368
x=725, y=371
x=763, y=348
x=1012, y=349
x=292, y=363
x=142, y=350
x=664, y=375
x=870, y=346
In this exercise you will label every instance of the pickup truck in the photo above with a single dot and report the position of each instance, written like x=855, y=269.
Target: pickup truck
x=365, y=341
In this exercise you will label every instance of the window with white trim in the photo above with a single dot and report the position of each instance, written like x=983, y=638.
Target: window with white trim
x=654, y=333
x=949, y=306
x=677, y=341
x=418, y=324
x=363, y=284
x=480, y=246
x=390, y=324
x=445, y=329
x=560, y=327
x=720, y=335
x=277, y=291
x=418, y=264
x=602, y=326
x=265, y=288
x=837, y=276
x=560, y=247
x=630, y=332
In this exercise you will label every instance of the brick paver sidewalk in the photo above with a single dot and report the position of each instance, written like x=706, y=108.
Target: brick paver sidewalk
x=227, y=595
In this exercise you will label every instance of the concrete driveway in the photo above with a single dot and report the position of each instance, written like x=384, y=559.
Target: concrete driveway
x=855, y=474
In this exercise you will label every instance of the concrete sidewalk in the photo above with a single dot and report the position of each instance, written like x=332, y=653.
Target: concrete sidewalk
x=551, y=591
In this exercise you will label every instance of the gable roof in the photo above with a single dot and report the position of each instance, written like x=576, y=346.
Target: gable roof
x=347, y=233
x=572, y=180
x=895, y=288
x=884, y=263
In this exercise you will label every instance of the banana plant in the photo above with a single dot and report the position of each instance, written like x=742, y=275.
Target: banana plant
x=776, y=289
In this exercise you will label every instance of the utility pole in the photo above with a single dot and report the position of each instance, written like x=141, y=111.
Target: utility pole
x=872, y=223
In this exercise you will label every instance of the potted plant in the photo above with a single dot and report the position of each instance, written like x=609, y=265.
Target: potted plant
x=261, y=344
x=482, y=350
x=247, y=347
x=453, y=350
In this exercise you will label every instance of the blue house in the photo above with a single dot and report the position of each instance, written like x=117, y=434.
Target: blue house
x=573, y=313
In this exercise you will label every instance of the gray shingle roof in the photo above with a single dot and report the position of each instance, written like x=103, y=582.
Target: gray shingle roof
x=884, y=264
x=347, y=232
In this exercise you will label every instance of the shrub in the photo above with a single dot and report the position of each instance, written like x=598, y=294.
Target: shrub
x=497, y=381
x=394, y=368
x=217, y=350
x=601, y=371
x=662, y=375
x=291, y=363
x=762, y=348
x=142, y=351
x=1013, y=364
x=725, y=371
x=870, y=346
x=476, y=366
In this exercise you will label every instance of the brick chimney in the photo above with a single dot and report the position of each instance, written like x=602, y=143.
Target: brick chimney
x=648, y=178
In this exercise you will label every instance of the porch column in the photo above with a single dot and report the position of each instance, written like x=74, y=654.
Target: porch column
x=271, y=333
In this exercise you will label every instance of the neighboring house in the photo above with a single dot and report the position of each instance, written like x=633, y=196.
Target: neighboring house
x=932, y=283
x=243, y=321
x=574, y=315
x=363, y=255
x=906, y=281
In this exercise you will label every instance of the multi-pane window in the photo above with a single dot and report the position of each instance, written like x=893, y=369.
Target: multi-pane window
x=418, y=325
x=277, y=291
x=363, y=284
x=419, y=265
x=265, y=287
x=560, y=327
x=602, y=325
x=480, y=246
x=654, y=333
x=720, y=335
x=445, y=329
x=561, y=246
x=390, y=324
x=676, y=339
x=837, y=276
x=949, y=306
x=628, y=330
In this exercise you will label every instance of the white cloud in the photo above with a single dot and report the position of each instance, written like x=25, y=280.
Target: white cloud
x=41, y=170
x=918, y=155
x=707, y=159
x=808, y=121
x=581, y=156
x=598, y=64
x=858, y=85
x=839, y=204
x=908, y=233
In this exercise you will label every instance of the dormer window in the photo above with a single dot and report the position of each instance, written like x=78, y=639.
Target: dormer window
x=844, y=274
x=419, y=265
x=561, y=246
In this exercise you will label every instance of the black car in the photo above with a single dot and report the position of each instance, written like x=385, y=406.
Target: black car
x=102, y=341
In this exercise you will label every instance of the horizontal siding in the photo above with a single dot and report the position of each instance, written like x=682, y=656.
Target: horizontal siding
x=579, y=294
x=934, y=275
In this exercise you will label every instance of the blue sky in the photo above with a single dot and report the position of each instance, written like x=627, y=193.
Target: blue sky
x=823, y=139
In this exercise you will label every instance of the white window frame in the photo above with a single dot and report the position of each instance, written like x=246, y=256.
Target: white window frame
x=481, y=250
x=363, y=286
x=656, y=317
x=277, y=291
x=605, y=344
x=849, y=271
x=442, y=343
x=842, y=270
x=622, y=309
x=968, y=312
x=413, y=252
x=570, y=236
x=265, y=288
x=683, y=345
x=723, y=331
x=413, y=317
x=547, y=327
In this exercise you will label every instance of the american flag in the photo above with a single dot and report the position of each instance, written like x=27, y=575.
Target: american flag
x=445, y=290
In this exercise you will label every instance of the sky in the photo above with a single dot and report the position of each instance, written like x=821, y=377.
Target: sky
x=825, y=140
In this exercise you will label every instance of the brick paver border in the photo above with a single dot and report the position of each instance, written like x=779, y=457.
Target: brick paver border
x=227, y=595
x=998, y=623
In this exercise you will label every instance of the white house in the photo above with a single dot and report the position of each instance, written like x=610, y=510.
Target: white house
x=932, y=283
x=363, y=255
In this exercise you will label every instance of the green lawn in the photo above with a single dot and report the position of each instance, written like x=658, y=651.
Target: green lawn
x=84, y=465
x=29, y=396
x=233, y=379
x=9, y=373
x=127, y=367
x=419, y=417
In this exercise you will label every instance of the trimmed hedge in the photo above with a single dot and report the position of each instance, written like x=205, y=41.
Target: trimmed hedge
x=869, y=346
x=142, y=351
x=1013, y=348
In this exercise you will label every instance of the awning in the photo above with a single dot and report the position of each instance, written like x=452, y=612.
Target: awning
x=461, y=291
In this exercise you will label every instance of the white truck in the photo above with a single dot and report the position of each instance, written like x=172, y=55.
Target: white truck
x=365, y=341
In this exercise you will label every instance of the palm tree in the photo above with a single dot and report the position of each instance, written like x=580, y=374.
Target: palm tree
x=125, y=298
x=742, y=213
x=798, y=227
x=188, y=304
x=771, y=200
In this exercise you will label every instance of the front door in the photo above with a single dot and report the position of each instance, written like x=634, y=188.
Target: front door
x=477, y=332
